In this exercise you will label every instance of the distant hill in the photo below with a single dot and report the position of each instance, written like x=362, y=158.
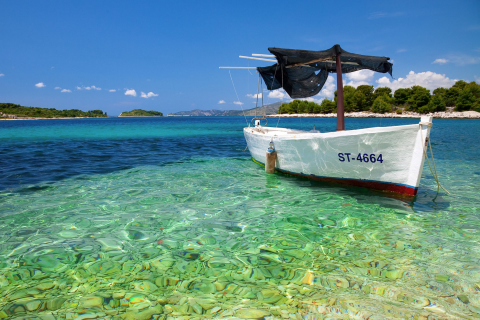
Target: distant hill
x=268, y=109
x=141, y=113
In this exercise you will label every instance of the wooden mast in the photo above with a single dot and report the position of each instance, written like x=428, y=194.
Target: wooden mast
x=340, y=104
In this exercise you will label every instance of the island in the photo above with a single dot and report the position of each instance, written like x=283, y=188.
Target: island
x=141, y=113
x=11, y=111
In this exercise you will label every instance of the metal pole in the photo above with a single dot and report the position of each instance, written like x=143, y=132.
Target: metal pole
x=340, y=104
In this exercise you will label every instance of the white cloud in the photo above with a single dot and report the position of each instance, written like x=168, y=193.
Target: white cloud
x=1, y=74
x=463, y=59
x=238, y=102
x=401, y=50
x=131, y=92
x=440, y=61
x=40, y=85
x=277, y=94
x=148, y=95
x=57, y=88
x=313, y=99
x=429, y=80
x=66, y=90
x=328, y=90
x=257, y=95
x=221, y=102
x=88, y=88
x=359, y=78
x=380, y=14
x=112, y=90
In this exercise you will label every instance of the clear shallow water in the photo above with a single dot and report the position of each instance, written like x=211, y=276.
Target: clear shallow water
x=169, y=217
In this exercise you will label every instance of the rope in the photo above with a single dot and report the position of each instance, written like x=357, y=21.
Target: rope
x=281, y=66
x=258, y=88
x=434, y=171
x=238, y=99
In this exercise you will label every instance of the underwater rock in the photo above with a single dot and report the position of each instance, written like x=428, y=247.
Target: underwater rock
x=45, y=286
x=206, y=303
x=394, y=274
x=90, y=302
x=33, y=305
x=143, y=315
x=109, y=244
x=441, y=277
x=251, y=313
x=118, y=295
x=143, y=286
x=463, y=298
x=55, y=304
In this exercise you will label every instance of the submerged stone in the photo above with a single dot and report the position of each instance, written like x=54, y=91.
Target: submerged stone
x=463, y=298
x=251, y=313
x=55, y=304
x=33, y=305
x=90, y=302
x=45, y=286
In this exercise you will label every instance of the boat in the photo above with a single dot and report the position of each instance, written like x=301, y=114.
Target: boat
x=388, y=159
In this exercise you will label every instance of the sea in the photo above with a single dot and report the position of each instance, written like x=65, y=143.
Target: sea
x=169, y=218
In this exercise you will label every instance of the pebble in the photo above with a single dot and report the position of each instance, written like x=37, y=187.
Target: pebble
x=90, y=302
x=251, y=313
x=45, y=286
x=463, y=298
x=33, y=305
x=55, y=304
x=118, y=295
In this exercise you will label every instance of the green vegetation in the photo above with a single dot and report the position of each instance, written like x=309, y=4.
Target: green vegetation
x=462, y=96
x=141, y=113
x=20, y=111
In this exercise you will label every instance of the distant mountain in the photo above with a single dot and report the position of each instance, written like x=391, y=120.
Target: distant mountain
x=268, y=109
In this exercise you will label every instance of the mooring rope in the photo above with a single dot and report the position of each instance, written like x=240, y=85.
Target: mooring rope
x=434, y=170
x=238, y=99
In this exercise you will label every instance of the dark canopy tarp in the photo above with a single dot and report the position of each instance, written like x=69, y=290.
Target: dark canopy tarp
x=303, y=73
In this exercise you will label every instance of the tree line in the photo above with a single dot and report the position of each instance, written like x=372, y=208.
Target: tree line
x=141, y=113
x=21, y=111
x=462, y=96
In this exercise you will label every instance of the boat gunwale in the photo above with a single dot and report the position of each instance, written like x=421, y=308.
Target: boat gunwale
x=299, y=134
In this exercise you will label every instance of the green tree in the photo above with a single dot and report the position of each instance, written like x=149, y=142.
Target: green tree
x=419, y=98
x=284, y=108
x=465, y=101
x=380, y=91
x=367, y=92
x=348, y=98
x=402, y=95
x=328, y=106
x=381, y=105
x=439, y=92
x=460, y=84
x=451, y=96
x=436, y=103
x=310, y=107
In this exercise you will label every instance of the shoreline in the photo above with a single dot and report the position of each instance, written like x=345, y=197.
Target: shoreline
x=38, y=118
x=437, y=115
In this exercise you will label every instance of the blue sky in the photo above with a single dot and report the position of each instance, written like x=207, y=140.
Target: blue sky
x=164, y=55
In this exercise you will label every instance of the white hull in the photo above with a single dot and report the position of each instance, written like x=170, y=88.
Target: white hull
x=383, y=158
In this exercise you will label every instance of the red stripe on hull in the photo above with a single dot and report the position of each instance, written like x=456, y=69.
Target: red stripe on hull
x=382, y=186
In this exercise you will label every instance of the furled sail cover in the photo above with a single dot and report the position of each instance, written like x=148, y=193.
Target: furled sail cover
x=303, y=73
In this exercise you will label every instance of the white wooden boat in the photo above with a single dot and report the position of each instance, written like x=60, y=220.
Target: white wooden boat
x=383, y=158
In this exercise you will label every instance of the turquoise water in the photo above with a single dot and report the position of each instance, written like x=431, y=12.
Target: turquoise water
x=168, y=218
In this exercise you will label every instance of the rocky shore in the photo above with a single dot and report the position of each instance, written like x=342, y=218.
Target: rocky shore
x=438, y=115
